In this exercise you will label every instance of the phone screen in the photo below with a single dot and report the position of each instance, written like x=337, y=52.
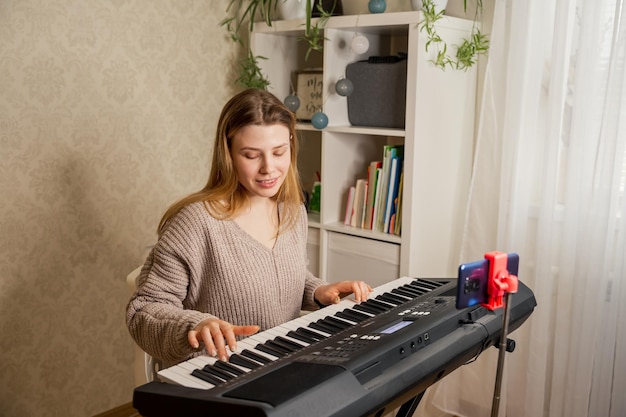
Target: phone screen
x=472, y=280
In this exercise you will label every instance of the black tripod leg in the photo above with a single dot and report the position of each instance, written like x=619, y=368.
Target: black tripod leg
x=409, y=407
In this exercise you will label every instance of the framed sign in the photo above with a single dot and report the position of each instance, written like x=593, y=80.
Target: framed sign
x=309, y=90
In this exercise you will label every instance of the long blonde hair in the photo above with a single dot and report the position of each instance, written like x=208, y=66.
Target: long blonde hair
x=225, y=197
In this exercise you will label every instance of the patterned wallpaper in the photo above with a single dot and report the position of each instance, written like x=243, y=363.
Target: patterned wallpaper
x=107, y=113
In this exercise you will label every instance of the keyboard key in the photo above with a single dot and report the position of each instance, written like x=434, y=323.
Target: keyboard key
x=205, y=376
x=243, y=361
x=268, y=349
x=229, y=368
x=255, y=356
x=213, y=370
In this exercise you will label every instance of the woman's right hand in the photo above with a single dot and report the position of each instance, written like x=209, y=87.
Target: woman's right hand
x=216, y=334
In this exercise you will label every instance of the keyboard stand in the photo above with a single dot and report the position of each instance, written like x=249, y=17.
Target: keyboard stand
x=408, y=408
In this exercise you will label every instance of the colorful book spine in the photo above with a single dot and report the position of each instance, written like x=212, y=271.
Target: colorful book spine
x=373, y=172
x=349, y=206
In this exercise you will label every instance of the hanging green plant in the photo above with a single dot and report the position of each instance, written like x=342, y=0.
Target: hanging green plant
x=241, y=15
x=470, y=48
x=313, y=33
x=250, y=74
x=241, y=11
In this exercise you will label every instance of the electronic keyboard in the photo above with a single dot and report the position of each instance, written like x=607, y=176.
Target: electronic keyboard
x=348, y=359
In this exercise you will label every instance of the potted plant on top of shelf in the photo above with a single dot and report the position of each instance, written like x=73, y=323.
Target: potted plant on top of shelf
x=242, y=15
x=470, y=48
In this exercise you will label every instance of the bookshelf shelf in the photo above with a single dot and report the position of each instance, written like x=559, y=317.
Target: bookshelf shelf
x=437, y=139
x=365, y=233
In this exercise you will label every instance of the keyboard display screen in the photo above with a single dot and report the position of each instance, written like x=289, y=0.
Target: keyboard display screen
x=395, y=327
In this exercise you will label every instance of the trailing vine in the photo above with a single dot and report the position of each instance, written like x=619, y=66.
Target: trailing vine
x=250, y=74
x=313, y=32
x=241, y=18
x=467, y=52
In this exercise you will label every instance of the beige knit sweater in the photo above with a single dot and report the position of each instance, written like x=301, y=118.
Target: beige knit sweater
x=203, y=267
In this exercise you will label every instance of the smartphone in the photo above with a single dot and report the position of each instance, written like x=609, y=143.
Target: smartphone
x=472, y=281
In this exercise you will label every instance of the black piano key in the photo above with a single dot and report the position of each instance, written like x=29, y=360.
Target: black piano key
x=349, y=316
x=339, y=322
x=287, y=342
x=228, y=367
x=399, y=297
x=426, y=284
x=277, y=344
x=415, y=290
x=375, y=305
x=255, y=356
x=327, y=322
x=393, y=299
x=368, y=308
x=241, y=360
x=404, y=292
x=312, y=334
x=361, y=312
x=268, y=349
x=295, y=335
x=317, y=325
x=381, y=304
x=218, y=372
x=205, y=376
x=418, y=288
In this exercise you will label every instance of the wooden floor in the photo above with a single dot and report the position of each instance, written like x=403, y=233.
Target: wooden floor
x=125, y=410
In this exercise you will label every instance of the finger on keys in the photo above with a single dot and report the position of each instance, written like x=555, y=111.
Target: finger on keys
x=221, y=334
x=207, y=338
x=361, y=291
x=239, y=331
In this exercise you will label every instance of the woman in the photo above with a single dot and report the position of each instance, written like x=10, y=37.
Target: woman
x=231, y=258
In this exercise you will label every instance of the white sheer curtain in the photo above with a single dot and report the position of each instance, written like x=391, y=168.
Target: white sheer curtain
x=548, y=183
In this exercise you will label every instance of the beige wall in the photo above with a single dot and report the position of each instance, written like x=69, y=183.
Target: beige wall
x=107, y=110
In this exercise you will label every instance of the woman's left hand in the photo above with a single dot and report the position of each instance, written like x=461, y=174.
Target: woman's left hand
x=332, y=293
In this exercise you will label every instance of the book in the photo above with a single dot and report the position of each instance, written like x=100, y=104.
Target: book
x=380, y=203
x=392, y=192
x=373, y=171
x=397, y=229
x=357, y=210
x=365, y=192
x=389, y=152
x=379, y=180
x=349, y=206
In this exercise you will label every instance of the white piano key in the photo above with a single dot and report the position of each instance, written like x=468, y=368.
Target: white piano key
x=202, y=361
x=179, y=375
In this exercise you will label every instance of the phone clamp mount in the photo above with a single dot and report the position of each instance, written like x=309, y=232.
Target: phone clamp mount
x=500, y=285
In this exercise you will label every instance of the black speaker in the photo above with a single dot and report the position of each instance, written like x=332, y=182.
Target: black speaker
x=379, y=95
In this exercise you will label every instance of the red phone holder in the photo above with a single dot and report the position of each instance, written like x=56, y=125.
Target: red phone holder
x=499, y=280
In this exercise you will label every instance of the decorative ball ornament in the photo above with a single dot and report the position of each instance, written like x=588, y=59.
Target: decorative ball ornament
x=377, y=6
x=319, y=120
x=360, y=44
x=344, y=87
x=292, y=103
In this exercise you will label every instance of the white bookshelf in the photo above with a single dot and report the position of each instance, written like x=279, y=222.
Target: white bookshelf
x=437, y=138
